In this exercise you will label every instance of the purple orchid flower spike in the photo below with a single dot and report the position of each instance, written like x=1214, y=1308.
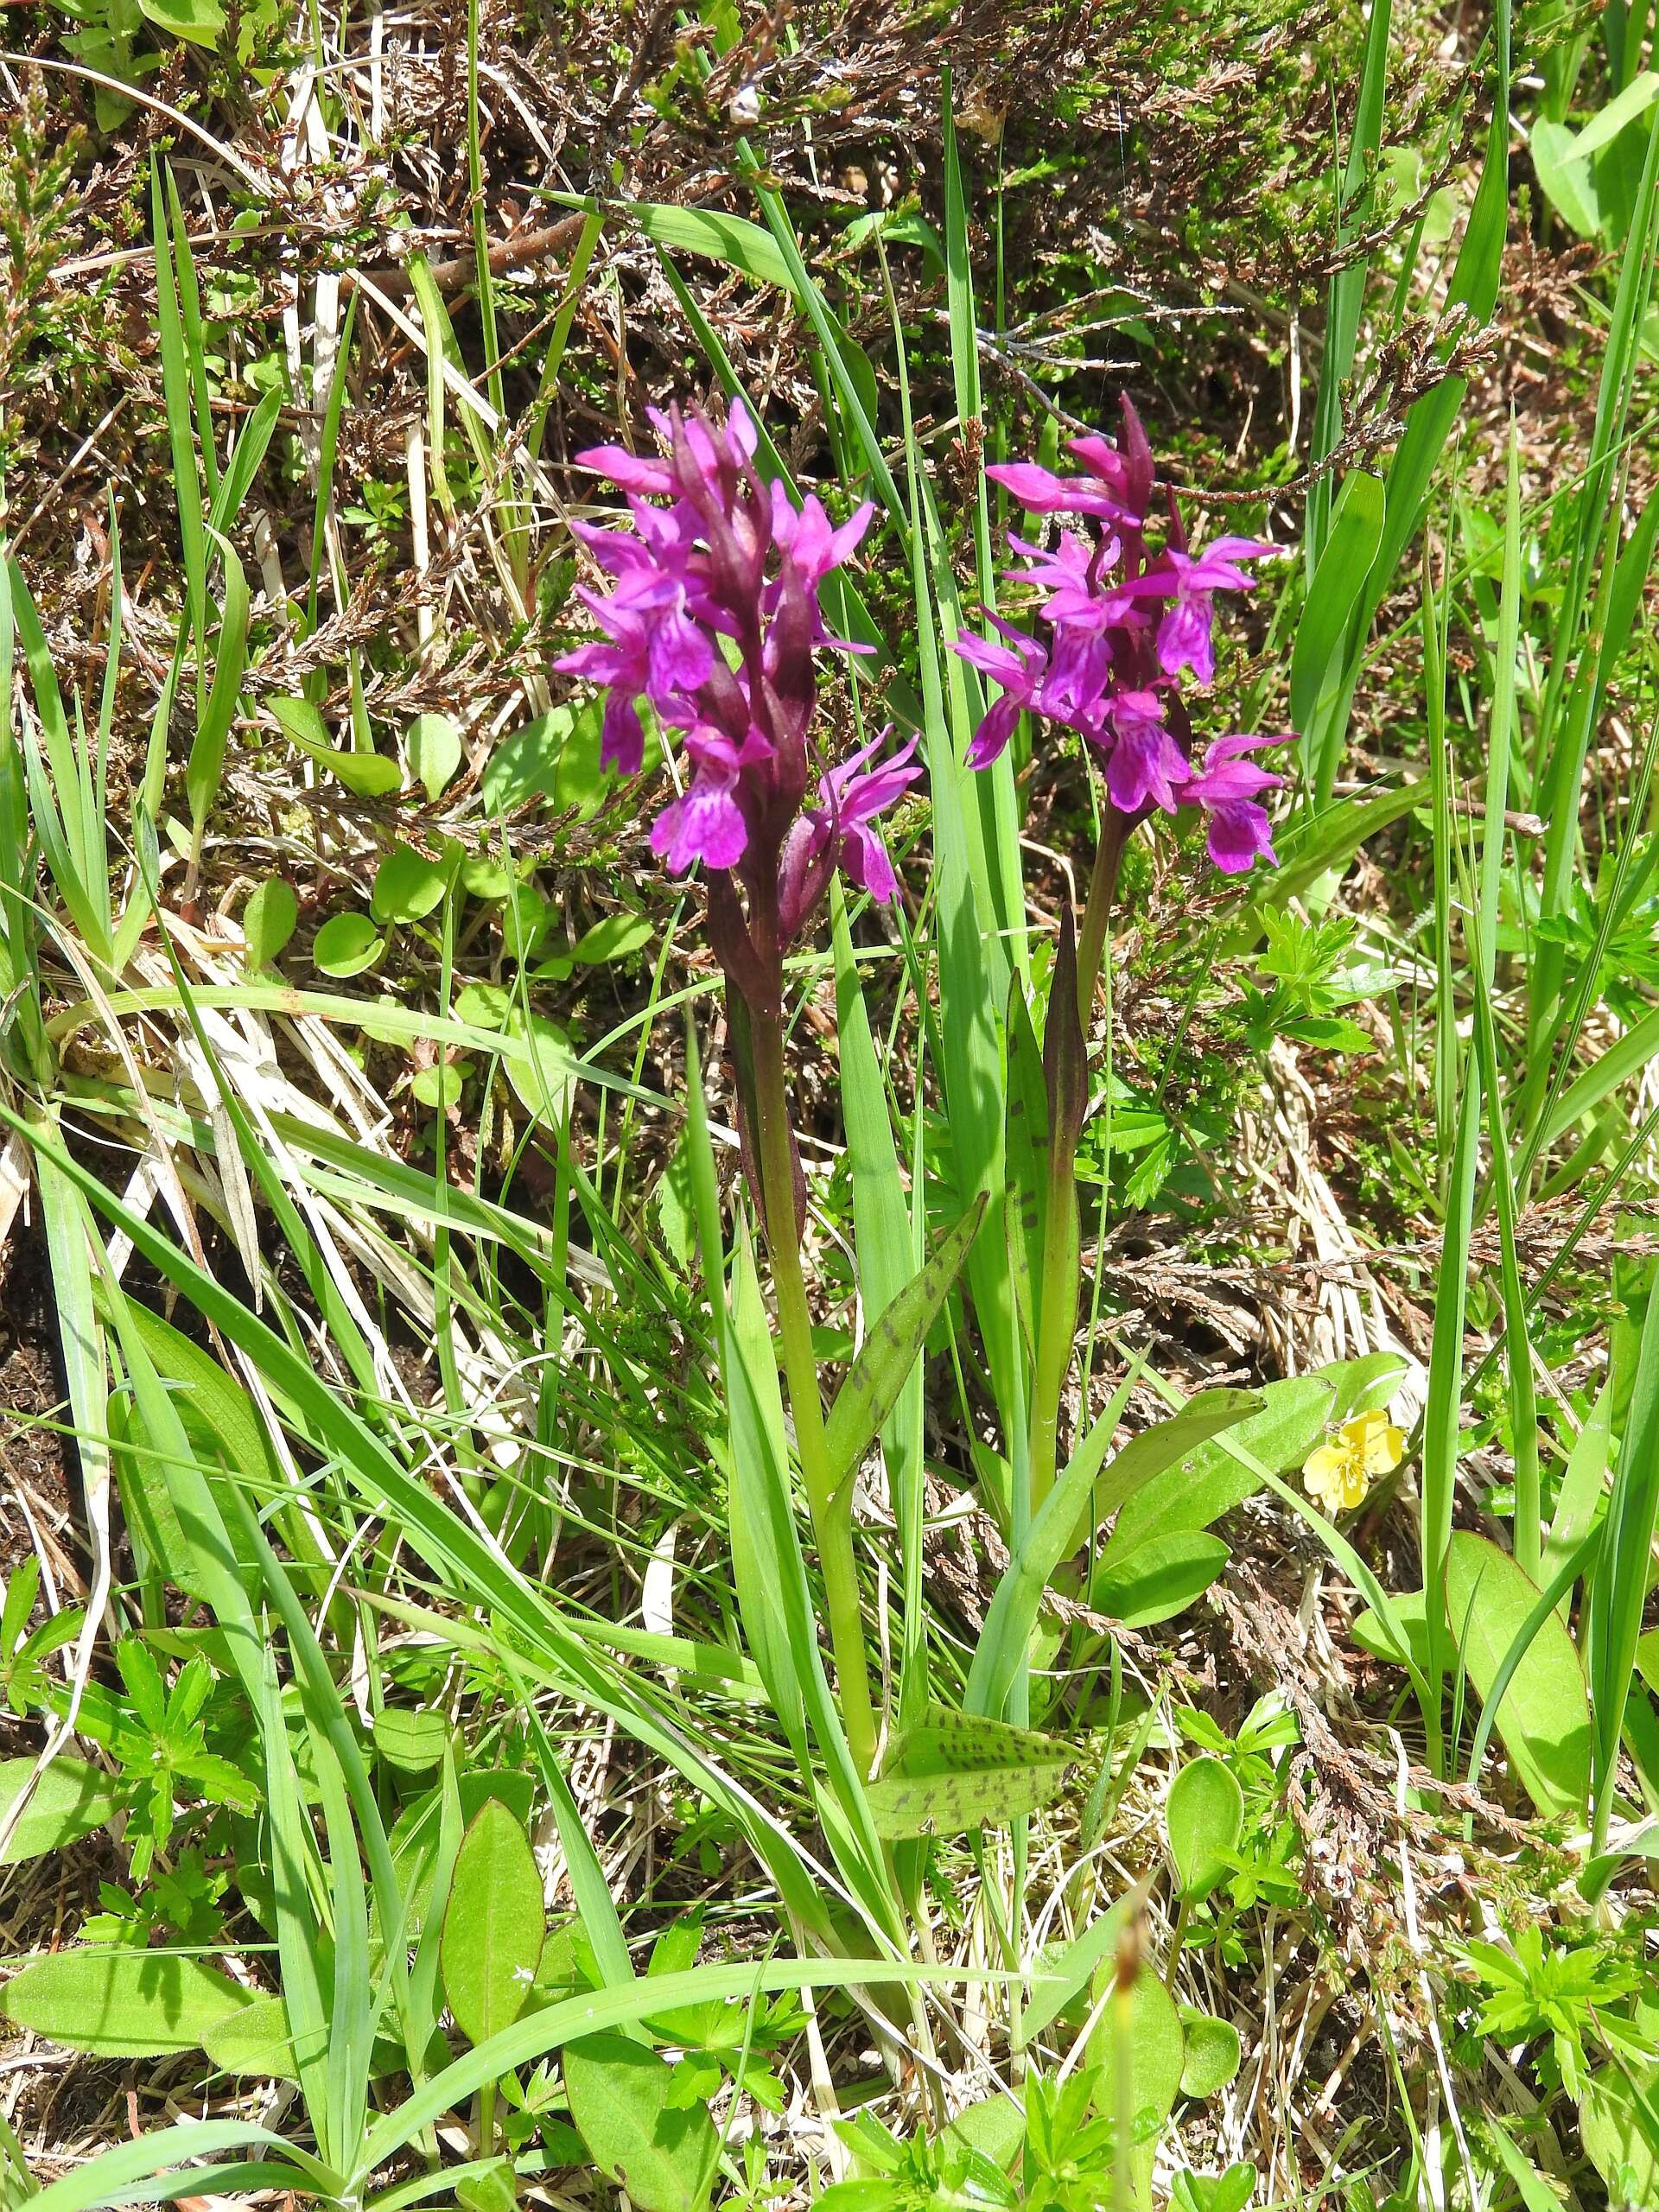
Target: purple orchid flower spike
x=1123, y=628
x=712, y=617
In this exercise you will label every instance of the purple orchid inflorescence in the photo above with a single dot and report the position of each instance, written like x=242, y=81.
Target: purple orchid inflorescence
x=712, y=616
x=1127, y=625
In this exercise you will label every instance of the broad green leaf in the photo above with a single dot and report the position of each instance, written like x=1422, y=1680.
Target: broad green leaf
x=494, y=1925
x=435, y=750
x=952, y=1772
x=891, y=1347
x=268, y=920
x=1329, y=839
x=1287, y=1420
x=995, y=2127
x=617, y=938
x=369, y=775
x=407, y=885
x=1069, y=1967
x=122, y=2004
x=1158, y=1578
x=1158, y=1491
x=1139, y=2043
x=1317, y=658
x=887, y=1246
x=1544, y=1719
x=345, y=945
x=254, y=2040
x=1618, y=2142
x=524, y=764
x=1203, y=1817
x=1561, y=157
x=414, y=1741
x=1567, y=183
x=759, y=1510
x=664, y=2156
x=199, y=22
x=257, y=2041
x=1212, y=2053
x=1083, y=1494
x=69, y=1801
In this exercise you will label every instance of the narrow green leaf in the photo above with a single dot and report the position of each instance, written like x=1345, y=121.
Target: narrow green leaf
x=891, y=1345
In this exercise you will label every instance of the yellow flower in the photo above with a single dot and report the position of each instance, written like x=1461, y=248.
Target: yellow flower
x=1338, y=1474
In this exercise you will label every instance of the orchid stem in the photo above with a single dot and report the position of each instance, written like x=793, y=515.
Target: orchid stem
x=1057, y=1326
x=1062, y=1252
x=830, y=1505
x=1115, y=829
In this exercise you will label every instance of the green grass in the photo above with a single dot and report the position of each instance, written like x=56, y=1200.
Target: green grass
x=451, y=1463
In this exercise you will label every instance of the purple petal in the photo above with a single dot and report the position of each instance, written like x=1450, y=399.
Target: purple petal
x=622, y=741
x=1186, y=638
x=1239, y=835
x=629, y=472
x=704, y=825
x=991, y=738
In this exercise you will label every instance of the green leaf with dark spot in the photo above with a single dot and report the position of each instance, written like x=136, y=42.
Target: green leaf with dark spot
x=891, y=1347
x=953, y=1773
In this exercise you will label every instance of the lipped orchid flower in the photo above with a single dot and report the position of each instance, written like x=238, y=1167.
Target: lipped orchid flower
x=1125, y=627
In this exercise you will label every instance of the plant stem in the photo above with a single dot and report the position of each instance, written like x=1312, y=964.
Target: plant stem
x=1057, y=1323
x=1062, y=1255
x=831, y=1508
x=1115, y=829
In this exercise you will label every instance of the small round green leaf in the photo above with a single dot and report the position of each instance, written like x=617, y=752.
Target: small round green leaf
x=407, y=885
x=494, y=1925
x=1212, y=2055
x=438, y=1087
x=268, y=920
x=345, y=945
x=614, y=938
x=1204, y=1815
x=433, y=752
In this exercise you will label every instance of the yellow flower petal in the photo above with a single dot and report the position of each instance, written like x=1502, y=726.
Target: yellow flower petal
x=1385, y=1447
